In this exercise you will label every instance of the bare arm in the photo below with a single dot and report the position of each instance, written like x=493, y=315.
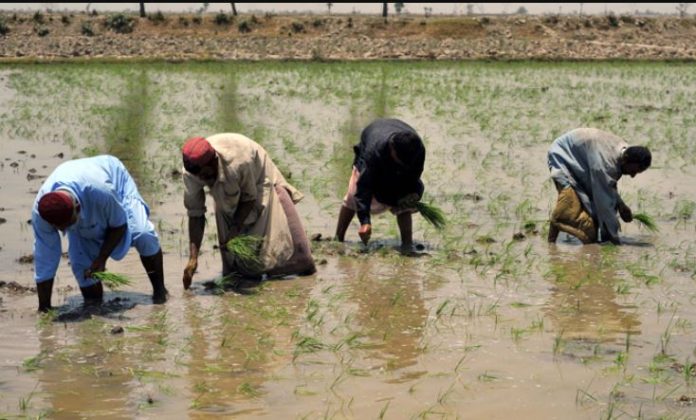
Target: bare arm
x=196, y=228
x=112, y=239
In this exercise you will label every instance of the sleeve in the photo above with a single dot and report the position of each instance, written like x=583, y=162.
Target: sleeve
x=251, y=179
x=108, y=203
x=417, y=186
x=194, y=196
x=47, y=249
x=605, y=198
x=363, y=195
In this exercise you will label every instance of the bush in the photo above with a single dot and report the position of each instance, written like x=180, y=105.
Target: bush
x=297, y=27
x=197, y=20
x=222, y=19
x=350, y=22
x=157, y=17
x=485, y=20
x=183, y=21
x=86, y=29
x=65, y=20
x=38, y=17
x=613, y=20
x=120, y=23
x=244, y=27
x=4, y=29
x=254, y=20
x=318, y=23
x=42, y=32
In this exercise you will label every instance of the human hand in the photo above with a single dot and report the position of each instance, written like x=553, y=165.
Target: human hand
x=625, y=213
x=365, y=232
x=97, y=266
x=188, y=272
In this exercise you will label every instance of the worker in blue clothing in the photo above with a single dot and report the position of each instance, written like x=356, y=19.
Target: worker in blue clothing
x=96, y=203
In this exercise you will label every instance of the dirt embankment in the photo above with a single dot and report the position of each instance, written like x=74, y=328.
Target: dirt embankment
x=56, y=36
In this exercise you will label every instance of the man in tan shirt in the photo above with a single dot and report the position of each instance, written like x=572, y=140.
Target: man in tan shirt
x=251, y=198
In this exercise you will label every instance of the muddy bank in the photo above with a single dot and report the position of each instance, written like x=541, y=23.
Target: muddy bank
x=56, y=36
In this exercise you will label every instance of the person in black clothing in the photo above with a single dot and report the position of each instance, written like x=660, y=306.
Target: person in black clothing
x=386, y=176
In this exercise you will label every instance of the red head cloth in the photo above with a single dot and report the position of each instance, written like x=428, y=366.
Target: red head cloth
x=198, y=151
x=57, y=208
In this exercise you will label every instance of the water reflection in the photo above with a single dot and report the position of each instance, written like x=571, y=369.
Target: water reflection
x=390, y=308
x=229, y=106
x=583, y=303
x=128, y=128
x=233, y=348
x=87, y=378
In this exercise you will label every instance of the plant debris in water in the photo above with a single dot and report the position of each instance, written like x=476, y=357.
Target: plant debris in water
x=246, y=248
x=112, y=280
x=646, y=221
x=432, y=214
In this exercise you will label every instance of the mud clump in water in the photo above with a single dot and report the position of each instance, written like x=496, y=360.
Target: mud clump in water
x=26, y=259
x=14, y=287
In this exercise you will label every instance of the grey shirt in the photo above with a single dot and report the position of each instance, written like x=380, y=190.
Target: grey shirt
x=588, y=160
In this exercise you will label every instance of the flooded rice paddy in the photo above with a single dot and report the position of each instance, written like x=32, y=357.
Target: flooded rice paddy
x=489, y=321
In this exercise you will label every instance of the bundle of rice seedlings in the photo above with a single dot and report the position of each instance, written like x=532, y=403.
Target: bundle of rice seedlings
x=111, y=280
x=431, y=214
x=647, y=221
x=246, y=248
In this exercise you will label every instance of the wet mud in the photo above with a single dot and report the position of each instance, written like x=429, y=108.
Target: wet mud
x=484, y=319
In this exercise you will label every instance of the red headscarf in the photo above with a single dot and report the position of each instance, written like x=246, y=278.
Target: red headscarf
x=197, y=151
x=57, y=208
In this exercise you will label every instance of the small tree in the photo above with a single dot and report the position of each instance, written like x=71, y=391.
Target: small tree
x=384, y=11
x=398, y=7
x=521, y=11
x=682, y=8
x=329, y=6
x=469, y=9
x=428, y=11
x=142, y=9
x=234, y=9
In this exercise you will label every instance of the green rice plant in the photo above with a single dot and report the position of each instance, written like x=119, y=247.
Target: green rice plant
x=33, y=363
x=307, y=345
x=249, y=390
x=47, y=318
x=111, y=280
x=432, y=214
x=646, y=221
x=246, y=248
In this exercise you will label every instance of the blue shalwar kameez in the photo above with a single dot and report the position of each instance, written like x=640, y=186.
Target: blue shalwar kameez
x=108, y=198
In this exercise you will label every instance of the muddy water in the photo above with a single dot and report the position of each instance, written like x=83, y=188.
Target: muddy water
x=477, y=326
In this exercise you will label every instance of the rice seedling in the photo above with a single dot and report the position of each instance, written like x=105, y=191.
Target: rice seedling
x=646, y=221
x=249, y=390
x=47, y=318
x=112, y=280
x=384, y=409
x=33, y=363
x=432, y=214
x=246, y=248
